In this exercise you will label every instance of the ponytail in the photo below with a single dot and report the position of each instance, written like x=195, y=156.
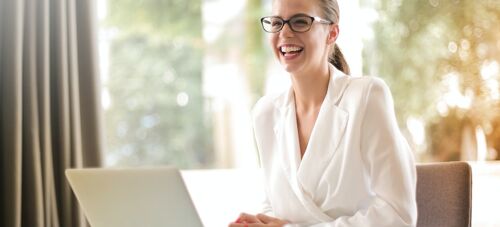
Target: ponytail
x=337, y=59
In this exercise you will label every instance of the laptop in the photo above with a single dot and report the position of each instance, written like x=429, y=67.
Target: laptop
x=133, y=197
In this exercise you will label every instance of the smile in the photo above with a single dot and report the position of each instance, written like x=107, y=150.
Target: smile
x=290, y=51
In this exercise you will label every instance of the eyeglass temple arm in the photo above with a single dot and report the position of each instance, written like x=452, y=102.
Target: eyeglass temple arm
x=321, y=20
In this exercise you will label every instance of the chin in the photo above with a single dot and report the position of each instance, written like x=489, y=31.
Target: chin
x=290, y=68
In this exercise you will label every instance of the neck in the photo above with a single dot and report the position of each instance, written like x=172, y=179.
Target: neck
x=310, y=88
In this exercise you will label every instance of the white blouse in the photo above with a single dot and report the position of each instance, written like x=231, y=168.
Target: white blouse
x=358, y=169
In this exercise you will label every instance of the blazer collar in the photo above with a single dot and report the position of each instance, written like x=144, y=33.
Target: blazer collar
x=336, y=86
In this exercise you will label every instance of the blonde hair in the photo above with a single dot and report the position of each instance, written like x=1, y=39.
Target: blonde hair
x=331, y=12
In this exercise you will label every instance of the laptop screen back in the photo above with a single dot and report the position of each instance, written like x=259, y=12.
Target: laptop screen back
x=133, y=197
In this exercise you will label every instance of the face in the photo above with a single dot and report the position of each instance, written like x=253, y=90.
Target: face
x=302, y=52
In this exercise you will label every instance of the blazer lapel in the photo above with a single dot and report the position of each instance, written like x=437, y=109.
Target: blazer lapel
x=287, y=140
x=324, y=141
x=289, y=158
x=327, y=133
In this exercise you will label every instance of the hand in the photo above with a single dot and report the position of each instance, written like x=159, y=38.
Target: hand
x=271, y=221
x=245, y=219
x=259, y=220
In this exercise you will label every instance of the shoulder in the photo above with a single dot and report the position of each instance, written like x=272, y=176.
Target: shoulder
x=267, y=105
x=362, y=89
x=379, y=92
x=367, y=83
x=377, y=102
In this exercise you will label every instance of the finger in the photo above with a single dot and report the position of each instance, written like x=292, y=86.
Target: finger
x=265, y=219
x=244, y=217
x=245, y=224
x=256, y=225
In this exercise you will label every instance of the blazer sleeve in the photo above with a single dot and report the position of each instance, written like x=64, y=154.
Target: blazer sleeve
x=389, y=162
x=260, y=117
x=266, y=207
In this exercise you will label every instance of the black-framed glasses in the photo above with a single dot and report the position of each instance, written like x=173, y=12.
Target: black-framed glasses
x=298, y=23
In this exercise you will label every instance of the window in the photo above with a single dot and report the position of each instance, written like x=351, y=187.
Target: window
x=180, y=77
x=155, y=110
x=441, y=60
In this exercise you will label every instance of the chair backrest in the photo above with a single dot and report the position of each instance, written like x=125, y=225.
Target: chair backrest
x=444, y=194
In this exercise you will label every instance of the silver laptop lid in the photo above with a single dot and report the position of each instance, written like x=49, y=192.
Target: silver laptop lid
x=133, y=197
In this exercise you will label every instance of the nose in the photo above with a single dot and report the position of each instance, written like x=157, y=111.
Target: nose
x=286, y=31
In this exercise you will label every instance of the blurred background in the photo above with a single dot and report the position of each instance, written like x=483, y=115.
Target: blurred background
x=180, y=77
x=173, y=82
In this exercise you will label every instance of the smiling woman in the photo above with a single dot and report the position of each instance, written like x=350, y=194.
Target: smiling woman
x=330, y=146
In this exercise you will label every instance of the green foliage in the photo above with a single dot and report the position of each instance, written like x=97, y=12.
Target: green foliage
x=417, y=43
x=255, y=57
x=408, y=44
x=156, y=59
x=159, y=19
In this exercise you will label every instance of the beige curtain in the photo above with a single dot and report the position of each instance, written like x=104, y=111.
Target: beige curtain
x=49, y=108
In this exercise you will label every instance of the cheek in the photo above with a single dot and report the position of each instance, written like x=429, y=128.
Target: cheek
x=317, y=43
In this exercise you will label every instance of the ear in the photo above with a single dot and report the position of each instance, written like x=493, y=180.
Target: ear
x=333, y=33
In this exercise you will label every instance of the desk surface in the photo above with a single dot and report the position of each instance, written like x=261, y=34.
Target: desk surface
x=220, y=195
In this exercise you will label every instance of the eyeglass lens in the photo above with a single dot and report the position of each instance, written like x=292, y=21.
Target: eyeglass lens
x=296, y=23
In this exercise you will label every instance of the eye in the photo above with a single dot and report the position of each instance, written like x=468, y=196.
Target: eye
x=276, y=23
x=301, y=22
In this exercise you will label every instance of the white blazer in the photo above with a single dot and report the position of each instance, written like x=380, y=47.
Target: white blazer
x=358, y=169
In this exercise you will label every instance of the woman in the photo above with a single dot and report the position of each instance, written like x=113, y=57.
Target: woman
x=330, y=147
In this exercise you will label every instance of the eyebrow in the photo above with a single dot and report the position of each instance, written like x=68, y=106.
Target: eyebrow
x=300, y=14
x=295, y=15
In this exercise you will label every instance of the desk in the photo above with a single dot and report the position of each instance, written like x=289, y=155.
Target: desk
x=220, y=195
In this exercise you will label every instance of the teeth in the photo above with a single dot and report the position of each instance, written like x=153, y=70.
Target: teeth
x=287, y=49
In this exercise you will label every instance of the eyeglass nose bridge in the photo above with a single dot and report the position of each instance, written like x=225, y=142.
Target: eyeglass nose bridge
x=289, y=25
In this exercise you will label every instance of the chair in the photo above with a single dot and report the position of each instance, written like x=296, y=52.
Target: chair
x=444, y=194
